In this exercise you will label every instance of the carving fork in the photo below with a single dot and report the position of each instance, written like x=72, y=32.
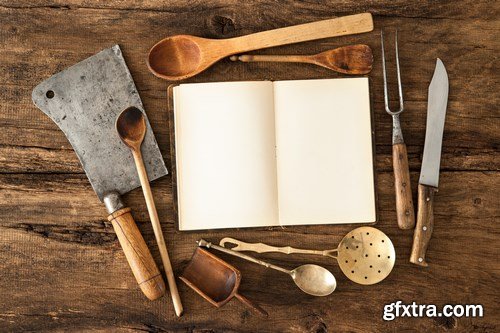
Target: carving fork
x=404, y=201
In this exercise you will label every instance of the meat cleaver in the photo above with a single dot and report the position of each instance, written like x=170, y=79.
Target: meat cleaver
x=85, y=101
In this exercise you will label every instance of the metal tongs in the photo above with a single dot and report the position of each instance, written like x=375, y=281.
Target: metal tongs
x=404, y=202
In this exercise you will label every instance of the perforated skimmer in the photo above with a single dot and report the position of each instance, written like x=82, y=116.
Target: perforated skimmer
x=365, y=255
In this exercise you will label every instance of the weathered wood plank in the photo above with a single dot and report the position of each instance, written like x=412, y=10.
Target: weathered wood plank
x=19, y=159
x=29, y=56
x=86, y=253
x=401, y=8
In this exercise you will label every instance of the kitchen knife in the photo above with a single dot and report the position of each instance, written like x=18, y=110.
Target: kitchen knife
x=84, y=101
x=429, y=174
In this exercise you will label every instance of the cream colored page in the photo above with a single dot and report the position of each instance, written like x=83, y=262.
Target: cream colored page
x=324, y=149
x=225, y=152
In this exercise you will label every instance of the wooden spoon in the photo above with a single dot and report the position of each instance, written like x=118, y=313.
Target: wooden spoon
x=131, y=127
x=182, y=56
x=353, y=59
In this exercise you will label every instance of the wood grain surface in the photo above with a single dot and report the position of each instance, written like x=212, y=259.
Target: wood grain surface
x=61, y=267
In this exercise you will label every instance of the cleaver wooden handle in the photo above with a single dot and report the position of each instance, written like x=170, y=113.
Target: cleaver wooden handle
x=137, y=253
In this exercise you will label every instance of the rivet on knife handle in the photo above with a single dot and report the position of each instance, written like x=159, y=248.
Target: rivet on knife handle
x=425, y=224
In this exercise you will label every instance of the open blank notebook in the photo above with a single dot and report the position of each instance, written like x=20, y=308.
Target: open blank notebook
x=265, y=153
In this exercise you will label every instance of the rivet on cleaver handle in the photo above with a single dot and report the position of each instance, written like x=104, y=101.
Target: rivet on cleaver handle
x=84, y=101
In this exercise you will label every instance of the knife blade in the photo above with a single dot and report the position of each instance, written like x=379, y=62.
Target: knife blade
x=429, y=174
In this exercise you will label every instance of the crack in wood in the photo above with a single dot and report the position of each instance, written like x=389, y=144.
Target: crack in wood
x=134, y=9
x=97, y=233
x=447, y=323
x=223, y=25
x=315, y=324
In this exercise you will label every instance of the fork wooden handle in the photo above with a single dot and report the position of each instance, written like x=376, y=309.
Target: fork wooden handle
x=404, y=202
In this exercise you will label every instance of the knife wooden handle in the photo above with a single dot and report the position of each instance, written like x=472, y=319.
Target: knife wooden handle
x=425, y=224
x=137, y=253
x=404, y=202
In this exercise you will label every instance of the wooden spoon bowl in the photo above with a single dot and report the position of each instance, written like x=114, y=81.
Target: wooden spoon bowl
x=354, y=59
x=176, y=56
x=131, y=127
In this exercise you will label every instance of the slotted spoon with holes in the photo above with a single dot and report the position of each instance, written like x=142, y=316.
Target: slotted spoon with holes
x=365, y=255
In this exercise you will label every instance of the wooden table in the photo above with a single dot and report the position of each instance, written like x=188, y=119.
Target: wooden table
x=61, y=267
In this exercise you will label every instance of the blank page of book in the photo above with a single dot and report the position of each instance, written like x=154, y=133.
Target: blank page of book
x=324, y=151
x=225, y=155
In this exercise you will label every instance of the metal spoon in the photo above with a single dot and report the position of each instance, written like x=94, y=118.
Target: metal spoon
x=311, y=279
x=131, y=127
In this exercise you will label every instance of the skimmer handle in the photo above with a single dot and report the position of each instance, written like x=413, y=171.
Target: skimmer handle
x=263, y=248
x=209, y=245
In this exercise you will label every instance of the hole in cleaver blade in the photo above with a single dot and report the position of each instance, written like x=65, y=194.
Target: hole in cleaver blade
x=84, y=101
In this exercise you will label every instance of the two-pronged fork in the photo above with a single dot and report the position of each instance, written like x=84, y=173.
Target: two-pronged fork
x=404, y=201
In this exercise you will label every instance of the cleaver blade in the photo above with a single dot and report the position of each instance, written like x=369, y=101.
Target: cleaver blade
x=84, y=101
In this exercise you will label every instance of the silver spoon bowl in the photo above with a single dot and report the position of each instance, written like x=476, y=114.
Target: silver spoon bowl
x=314, y=280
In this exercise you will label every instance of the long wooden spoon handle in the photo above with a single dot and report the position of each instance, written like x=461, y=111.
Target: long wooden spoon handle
x=137, y=253
x=404, y=201
x=155, y=221
x=425, y=224
x=346, y=25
